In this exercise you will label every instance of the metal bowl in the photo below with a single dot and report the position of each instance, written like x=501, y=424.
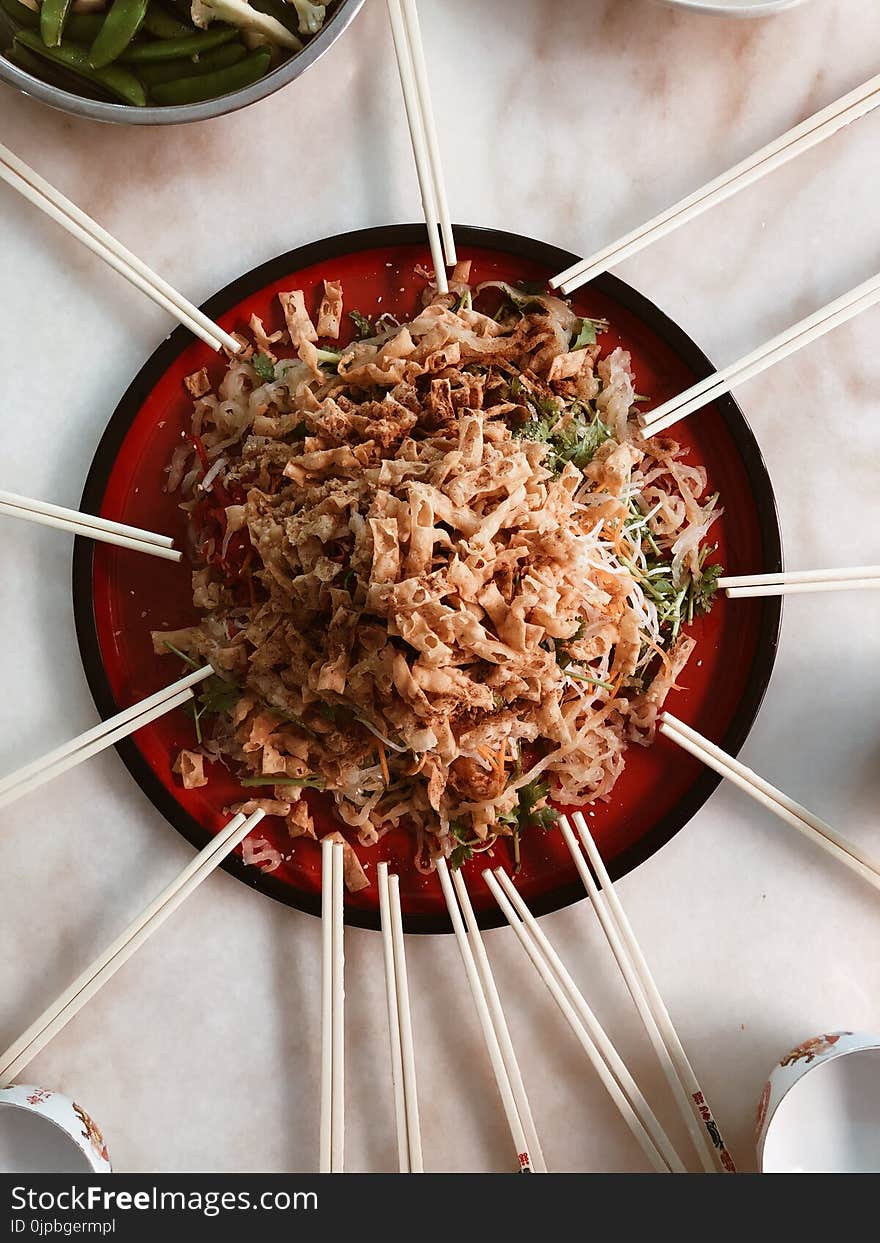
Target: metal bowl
x=124, y=114
x=734, y=8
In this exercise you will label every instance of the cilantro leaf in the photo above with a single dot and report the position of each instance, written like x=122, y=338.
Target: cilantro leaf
x=263, y=366
x=363, y=327
x=702, y=590
x=586, y=335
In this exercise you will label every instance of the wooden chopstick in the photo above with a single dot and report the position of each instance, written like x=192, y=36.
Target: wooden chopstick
x=332, y=1140
x=397, y=1085
x=793, y=813
x=87, y=526
x=91, y=520
x=689, y=1097
x=413, y=1122
x=105, y=966
x=418, y=114
x=610, y=1067
x=403, y=1071
x=99, y=737
x=792, y=143
x=43, y=195
x=842, y=309
x=426, y=106
x=325, y=1149
x=499, y=1022
x=791, y=582
x=526, y=1159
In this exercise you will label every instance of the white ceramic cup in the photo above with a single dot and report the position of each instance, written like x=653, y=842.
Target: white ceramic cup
x=44, y=1132
x=819, y=1112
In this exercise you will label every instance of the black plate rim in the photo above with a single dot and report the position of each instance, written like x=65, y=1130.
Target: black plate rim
x=334, y=247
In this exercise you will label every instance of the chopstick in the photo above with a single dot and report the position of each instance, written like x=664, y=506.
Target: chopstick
x=43, y=195
x=87, y=984
x=689, y=1097
x=610, y=1067
x=842, y=309
x=773, y=155
x=407, y=37
x=493, y=1025
x=788, y=582
x=403, y=1074
x=332, y=1141
x=98, y=738
x=87, y=525
x=793, y=813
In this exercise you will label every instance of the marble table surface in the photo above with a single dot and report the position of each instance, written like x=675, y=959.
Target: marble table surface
x=570, y=121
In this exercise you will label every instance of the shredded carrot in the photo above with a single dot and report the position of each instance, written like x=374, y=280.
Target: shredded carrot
x=490, y=757
x=502, y=757
x=383, y=764
x=616, y=685
x=659, y=650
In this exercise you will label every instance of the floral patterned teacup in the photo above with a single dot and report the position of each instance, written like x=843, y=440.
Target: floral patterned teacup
x=45, y=1132
x=820, y=1108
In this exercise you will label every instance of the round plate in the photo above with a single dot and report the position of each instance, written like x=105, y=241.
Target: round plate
x=119, y=597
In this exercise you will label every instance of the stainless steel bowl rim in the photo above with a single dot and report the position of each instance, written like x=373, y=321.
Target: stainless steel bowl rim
x=124, y=114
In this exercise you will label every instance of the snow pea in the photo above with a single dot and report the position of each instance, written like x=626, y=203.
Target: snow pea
x=79, y=27
x=209, y=62
x=21, y=14
x=123, y=21
x=53, y=15
x=114, y=78
x=162, y=25
x=211, y=85
x=176, y=49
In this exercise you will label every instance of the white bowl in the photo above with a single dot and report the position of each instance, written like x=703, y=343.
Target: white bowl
x=44, y=1132
x=734, y=8
x=820, y=1109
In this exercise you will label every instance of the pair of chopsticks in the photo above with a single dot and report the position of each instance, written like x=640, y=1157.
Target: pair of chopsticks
x=795, y=582
x=407, y=36
x=792, y=143
x=403, y=1064
x=689, y=1096
x=87, y=984
x=332, y=1138
x=88, y=525
x=842, y=309
x=811, y=826
x=99, y=737
x=610, y=1067
x=41, y=194
x=530, y=1158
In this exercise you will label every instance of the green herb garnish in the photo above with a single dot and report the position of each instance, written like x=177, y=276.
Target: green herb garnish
x=263, y=366
x=363, y=327
x=312, y=781
x=573, y=439
x=187, y=660
x=586, y=335
x=463, y=850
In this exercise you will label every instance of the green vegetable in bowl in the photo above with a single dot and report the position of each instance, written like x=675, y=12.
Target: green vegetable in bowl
x=53, y=15
x=123, y=21
x=114, y=78
x=172, y=52
x=171, y=70
x=209, y=85
x=162, y=25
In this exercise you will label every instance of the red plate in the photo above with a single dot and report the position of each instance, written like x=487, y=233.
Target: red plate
x=119, y=597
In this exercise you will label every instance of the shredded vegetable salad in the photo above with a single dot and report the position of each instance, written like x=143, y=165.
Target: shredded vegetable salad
x=442, y=576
